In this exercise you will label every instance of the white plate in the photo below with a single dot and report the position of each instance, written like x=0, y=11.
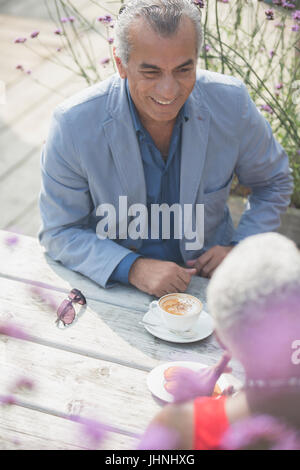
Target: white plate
x=156, y=380
x=203, y=328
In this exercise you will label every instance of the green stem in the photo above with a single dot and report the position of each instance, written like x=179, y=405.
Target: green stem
x=83, y=73
x=263, y=86
x=219, y=34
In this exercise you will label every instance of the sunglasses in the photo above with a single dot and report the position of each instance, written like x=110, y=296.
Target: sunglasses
x=66, y=312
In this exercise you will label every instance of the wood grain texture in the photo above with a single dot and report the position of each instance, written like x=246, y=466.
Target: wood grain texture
x=26, y=429
x=97, y=367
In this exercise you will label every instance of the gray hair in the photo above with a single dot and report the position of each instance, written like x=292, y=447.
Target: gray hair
x=162, y=15
x=258, y=268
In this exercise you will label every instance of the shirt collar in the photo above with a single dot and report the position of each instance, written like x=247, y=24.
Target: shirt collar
x=182, y=115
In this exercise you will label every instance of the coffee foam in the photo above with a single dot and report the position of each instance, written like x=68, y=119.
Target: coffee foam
x=178, y=305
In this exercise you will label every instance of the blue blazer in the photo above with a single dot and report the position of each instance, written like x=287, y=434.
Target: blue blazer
x=92, y=156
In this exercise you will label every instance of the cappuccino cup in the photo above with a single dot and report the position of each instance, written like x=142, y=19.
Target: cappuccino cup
x=179, y=312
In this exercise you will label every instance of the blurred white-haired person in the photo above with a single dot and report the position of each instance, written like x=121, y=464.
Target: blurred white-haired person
x=254, y=297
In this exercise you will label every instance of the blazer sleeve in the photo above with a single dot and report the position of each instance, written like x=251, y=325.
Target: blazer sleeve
x=65, y=206
x=263, y=166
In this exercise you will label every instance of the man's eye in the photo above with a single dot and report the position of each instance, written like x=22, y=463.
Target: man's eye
x=150, y=73
x=184, y=70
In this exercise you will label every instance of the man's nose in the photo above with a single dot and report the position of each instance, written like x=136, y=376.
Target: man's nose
x=168, y=88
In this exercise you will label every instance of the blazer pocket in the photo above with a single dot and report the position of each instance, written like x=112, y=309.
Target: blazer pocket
x=214, y=206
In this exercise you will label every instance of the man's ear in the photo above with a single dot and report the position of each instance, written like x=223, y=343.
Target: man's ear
x=121, y=68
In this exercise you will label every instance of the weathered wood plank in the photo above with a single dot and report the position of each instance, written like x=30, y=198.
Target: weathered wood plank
x=27, y=260
x=26, y=429
x=29, y=221
x=72, y=384
x=22, y=146
x=13, y=27
x=103, y=331
x=19, y=190
x=49, y=78
x=18, y=140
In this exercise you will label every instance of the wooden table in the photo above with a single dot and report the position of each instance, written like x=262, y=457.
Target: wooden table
x=96, y=368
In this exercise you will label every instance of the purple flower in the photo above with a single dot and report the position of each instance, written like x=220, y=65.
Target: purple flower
x=295, y=27
x=45, y=297
x=93, y=430
x=207, y=47
x=68, y=19
x=272, y=53
x=260, y=431
x=267, y=108
x=20, y=40
x=105, y=61
x=18, y=67
x=296, y=15
x=7, y=400
x=185, y=384
x=34, y=34
x=107, y=19
x=13, y=240
x=110, y=40
x=279, y=86
x=58, y=31
x=157, y=437
x=269, y=14
x=288, y=5
x=24, y=383
x=13, y=331
x=199, y=3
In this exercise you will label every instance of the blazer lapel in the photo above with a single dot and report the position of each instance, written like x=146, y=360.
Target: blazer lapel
x=124, y=146
x=122, y=140
x=193, y=151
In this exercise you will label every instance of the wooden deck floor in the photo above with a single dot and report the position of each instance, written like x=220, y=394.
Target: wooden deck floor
x=26, y=113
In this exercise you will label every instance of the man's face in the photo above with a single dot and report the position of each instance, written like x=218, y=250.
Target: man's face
x=161, y=71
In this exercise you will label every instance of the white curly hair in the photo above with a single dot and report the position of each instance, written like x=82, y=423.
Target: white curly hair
x=258, y=268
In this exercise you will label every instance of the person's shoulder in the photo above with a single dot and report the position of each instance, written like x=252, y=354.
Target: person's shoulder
x=220, y=93
x=89, y=100
x=212, y=80
x=210, y=87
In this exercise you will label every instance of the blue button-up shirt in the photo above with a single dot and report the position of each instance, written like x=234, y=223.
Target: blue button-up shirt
x=162, y=185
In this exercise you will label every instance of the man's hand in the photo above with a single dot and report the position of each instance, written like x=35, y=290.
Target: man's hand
x=159, y=278
x=210, y=260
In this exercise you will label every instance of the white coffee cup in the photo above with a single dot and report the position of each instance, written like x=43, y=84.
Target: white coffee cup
x=179, y=312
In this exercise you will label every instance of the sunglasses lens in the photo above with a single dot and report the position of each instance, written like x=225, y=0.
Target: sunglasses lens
x=76, y=296
x=66, y=312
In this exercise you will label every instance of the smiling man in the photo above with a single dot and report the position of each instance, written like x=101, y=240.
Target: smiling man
x=161, y=135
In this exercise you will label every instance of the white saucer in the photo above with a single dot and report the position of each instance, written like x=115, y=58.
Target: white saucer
x=156, y=380
x=203, y=328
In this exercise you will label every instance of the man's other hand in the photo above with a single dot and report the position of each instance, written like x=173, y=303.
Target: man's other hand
x=210, y=260
x=156, y=277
